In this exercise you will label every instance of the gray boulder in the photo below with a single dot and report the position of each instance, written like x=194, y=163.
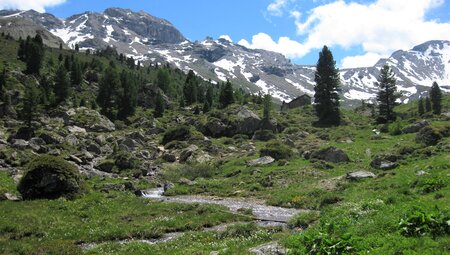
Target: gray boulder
x=414, y=128
x=187, y=153
x=247, y=122
x=272, y=248
x=215, y=128
x=106, y=166
x=51, y=138
x=88, y=119
x=261, y=161
x=71, y=140
x=130, y=143
x=94, y=148
x=385, y=162
x=361, y=174
x=19, y=144
x=331, y=154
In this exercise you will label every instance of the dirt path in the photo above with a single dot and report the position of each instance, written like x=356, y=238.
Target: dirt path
x=261, y=211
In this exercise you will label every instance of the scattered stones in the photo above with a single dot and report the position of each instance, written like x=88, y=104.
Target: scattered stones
x=261, y=161
x=331, y=154
x=361, y=174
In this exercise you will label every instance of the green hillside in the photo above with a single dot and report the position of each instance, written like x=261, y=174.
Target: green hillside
x=200, y=145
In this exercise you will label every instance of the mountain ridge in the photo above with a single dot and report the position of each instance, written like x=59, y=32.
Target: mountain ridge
x=150, y=39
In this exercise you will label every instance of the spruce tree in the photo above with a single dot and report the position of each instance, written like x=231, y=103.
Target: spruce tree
x=62, y=84
x=107, y=94
x=209, y=97
x=427, y=104
x=190, y=88
x=267, y=106
x=128, y=95
x=76, y=74
x=226, y=96
x=387, y=95
x=163, y=79
x=34, y=55
x=2, y=82
x=435, y=98
x=30, y=104
x=326, y=97
x=159, y=106
x=420, y=107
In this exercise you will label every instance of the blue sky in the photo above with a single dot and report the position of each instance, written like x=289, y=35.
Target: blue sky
x=359, y=32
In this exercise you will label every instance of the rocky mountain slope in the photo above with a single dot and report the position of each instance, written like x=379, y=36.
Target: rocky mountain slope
x=147, y=38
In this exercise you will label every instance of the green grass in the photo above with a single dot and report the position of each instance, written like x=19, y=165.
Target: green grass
x=44, y=226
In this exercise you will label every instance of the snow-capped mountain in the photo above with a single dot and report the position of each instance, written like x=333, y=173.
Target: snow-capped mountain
x=147, y=38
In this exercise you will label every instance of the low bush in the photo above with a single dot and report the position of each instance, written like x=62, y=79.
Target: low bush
x=276, y=150
x=395, y=128
x=421, y=223
x=327, y=240
x=49, y=177
x=239, y=230
x=303, y=220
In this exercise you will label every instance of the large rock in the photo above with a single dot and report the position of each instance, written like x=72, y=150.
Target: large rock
x=187, y=153
x=385, y=162
x=215, y=128
x=261, y=161
x=88, y=119
x=51, y=138
x=272, y=248
x=247, y=122
x=413, y=128
x=50, y=177
x=331, y=154
x=131, y=144
x=361, y=174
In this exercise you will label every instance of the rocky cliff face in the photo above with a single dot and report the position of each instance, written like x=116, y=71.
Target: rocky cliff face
x=151, y=39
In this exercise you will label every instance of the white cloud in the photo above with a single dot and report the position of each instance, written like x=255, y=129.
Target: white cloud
x=226, y=37
x=285, y=46
x=378, y=28
x=366, y=60
x=276, y=7
x=37, y=5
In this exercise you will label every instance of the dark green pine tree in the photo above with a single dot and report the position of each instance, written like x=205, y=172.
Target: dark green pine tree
x=35, y=55
x=209, y=97
x=420, y=107
x=62, y=84
x=107, y=95
x=226, y=96
x=128, y=95
x=2, y=82
x=387, y=95
x=267, y=103
x=163, y=79
x=30, y=104
x=190, y=88
x=427, y=104
x=436, y=98
x=159, y=106
x=326, y=97
x=76, y=73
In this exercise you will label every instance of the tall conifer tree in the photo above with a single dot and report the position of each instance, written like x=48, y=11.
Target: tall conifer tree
x=387, y=95
x=435, y=98
x=326, y=97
